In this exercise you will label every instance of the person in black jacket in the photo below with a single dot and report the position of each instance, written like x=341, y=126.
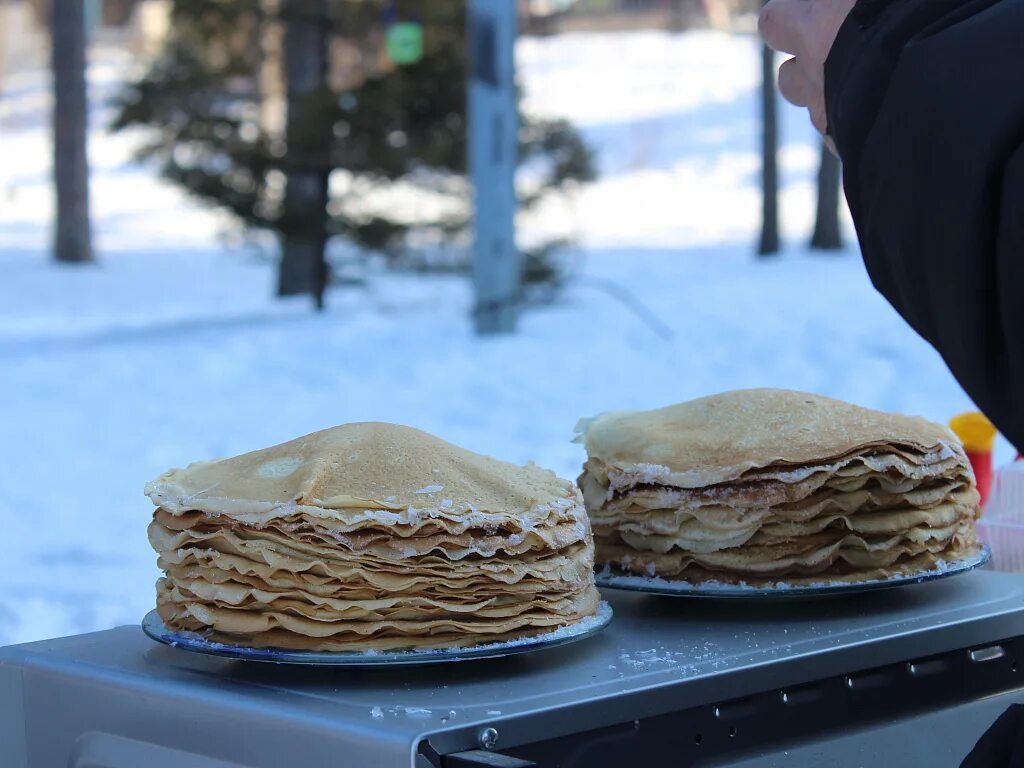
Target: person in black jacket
x=923, y=101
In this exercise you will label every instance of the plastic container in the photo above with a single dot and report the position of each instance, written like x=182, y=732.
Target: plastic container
x=1002, y=521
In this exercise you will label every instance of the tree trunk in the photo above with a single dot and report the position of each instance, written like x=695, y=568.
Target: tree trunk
x=303, y=266
x=270, y=75
x=718, y=14
x=769, y=157
x=72, y=236
x=676, y=16
x=827, y=236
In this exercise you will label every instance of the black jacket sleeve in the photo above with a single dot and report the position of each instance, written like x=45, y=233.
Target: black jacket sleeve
x=1002, y=745
x=925, y=102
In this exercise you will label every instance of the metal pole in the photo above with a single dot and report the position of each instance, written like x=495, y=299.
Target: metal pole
x=492, y=146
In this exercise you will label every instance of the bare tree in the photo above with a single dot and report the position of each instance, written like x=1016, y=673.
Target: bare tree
x=769, y=156
x=827, y=236
x=303, y=266
x=719, y=16
x=72, y=236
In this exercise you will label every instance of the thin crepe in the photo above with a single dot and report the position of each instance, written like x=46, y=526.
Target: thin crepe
x=770, y=483
x=716, y=439
x=369, y=536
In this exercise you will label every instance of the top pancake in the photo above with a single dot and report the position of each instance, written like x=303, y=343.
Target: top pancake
x=387, y=471
x=719, y=438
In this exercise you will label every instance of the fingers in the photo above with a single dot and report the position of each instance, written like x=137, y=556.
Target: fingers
x=818, y=117
x=802, y=87
x=806, y=29
x=824, y=19
x=793, y=83
x=782, y=24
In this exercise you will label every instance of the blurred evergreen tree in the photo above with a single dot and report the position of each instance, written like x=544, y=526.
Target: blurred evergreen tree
x=392, y=138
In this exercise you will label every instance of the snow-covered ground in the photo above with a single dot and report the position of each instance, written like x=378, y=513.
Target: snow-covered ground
x=170, y=349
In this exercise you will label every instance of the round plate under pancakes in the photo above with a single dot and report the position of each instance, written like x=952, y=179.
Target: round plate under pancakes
x=632, y=583
x=155, y=628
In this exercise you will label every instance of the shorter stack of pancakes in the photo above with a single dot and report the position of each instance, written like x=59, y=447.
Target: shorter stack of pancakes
x=766, y=485
x=369, y=536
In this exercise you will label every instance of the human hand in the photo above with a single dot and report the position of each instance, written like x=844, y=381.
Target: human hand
x=806, y=29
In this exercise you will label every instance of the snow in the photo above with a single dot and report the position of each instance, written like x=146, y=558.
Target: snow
x=171, y=349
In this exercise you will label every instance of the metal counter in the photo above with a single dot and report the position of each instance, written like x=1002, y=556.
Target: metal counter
x=672, y=680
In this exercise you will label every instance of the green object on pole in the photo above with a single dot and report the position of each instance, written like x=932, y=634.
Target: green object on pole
x=405, y=42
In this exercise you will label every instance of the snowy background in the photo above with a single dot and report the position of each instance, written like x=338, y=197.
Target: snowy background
x=171, y=349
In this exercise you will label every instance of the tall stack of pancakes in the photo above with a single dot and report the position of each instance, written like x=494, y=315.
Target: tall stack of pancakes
x=369, y=536
x=766, y=485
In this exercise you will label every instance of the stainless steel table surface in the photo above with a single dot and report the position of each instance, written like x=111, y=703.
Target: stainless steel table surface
x=660, y=654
